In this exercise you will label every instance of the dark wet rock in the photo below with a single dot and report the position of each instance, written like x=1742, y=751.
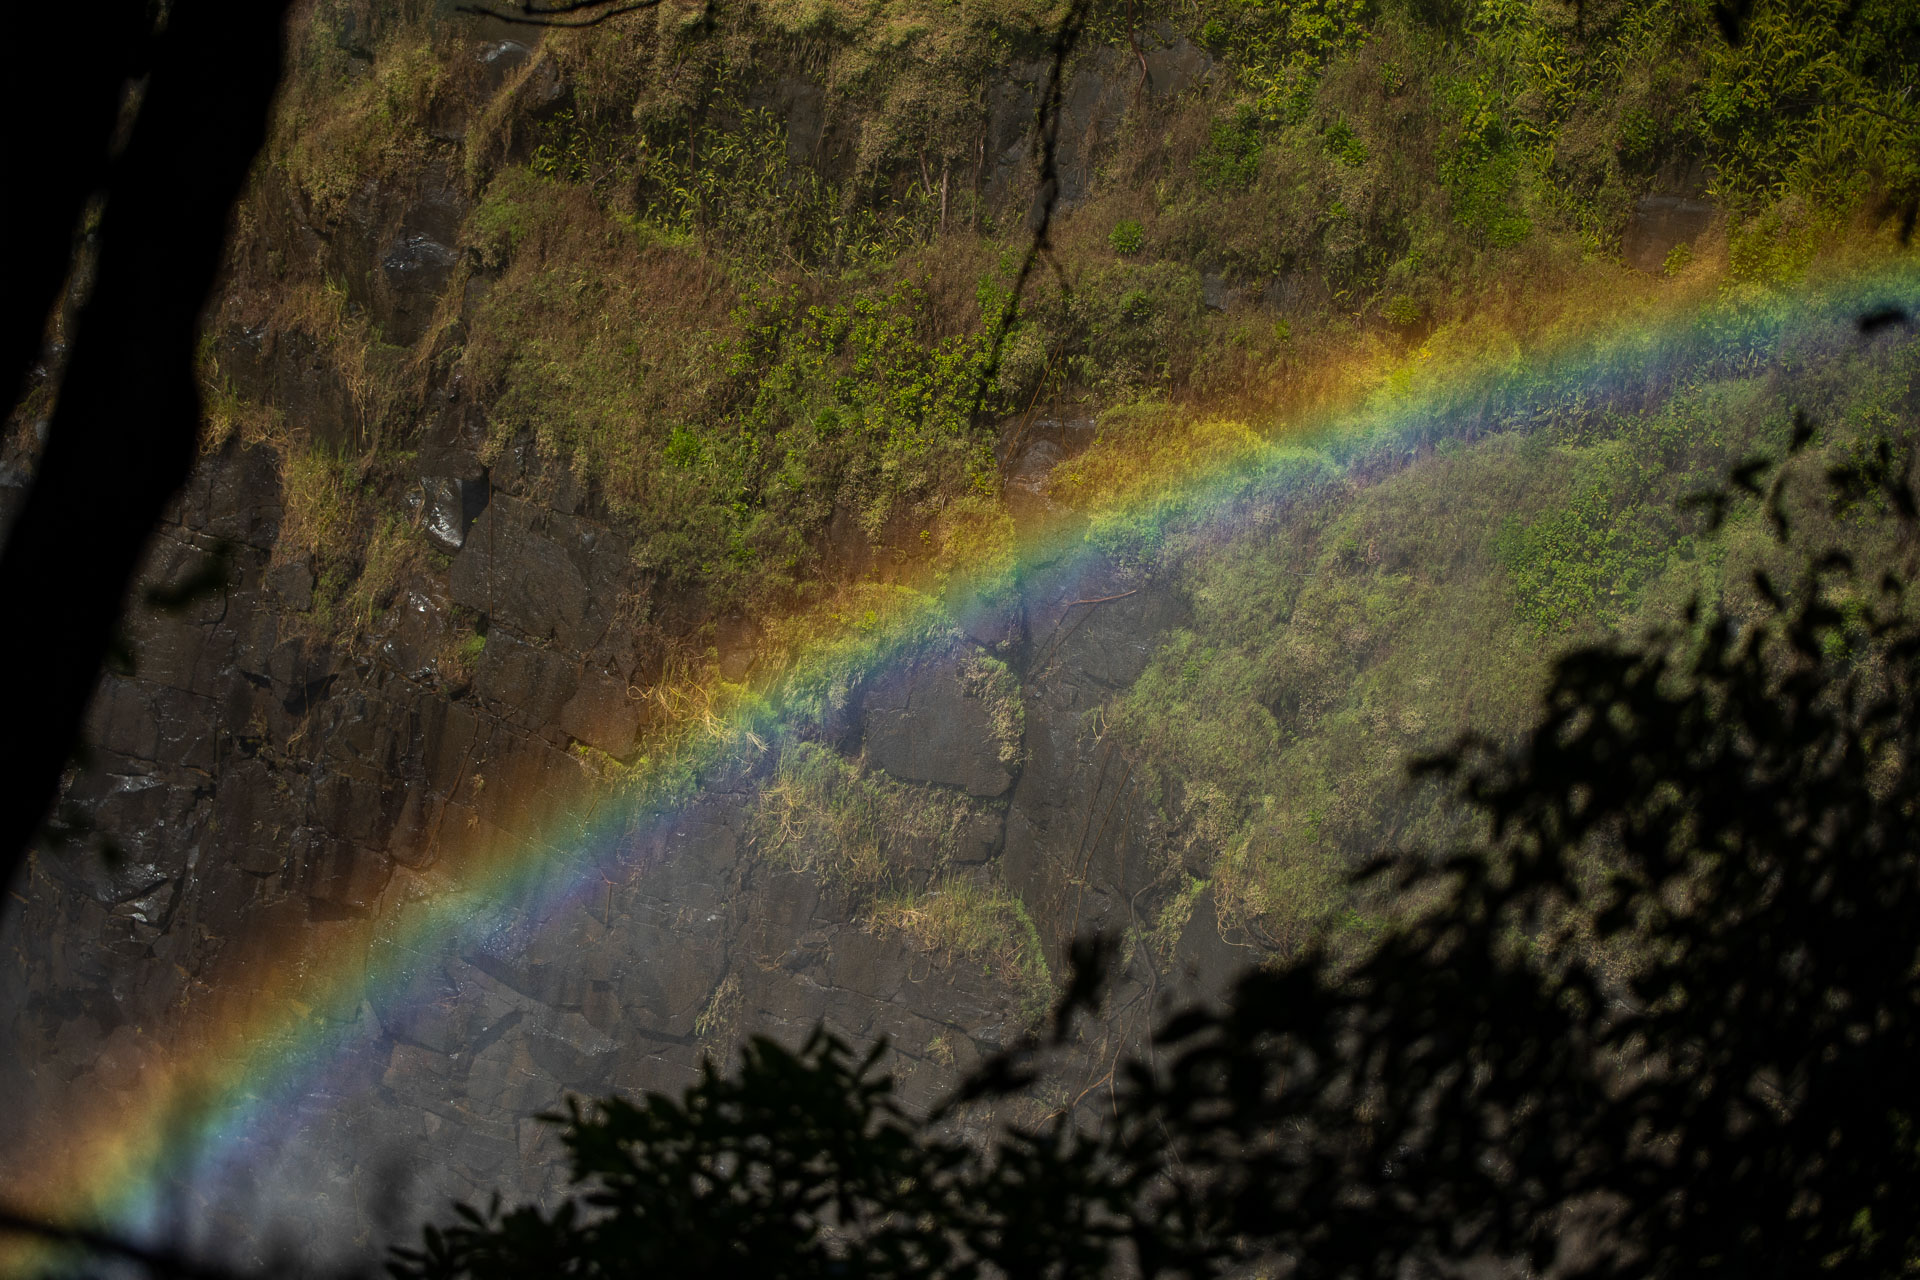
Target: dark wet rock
x=992, y=622
x=1011, y=100
x=509, y=570
x=13, y=493
x=1217, y=293
x=242, y=351
x=411, y=840
x=415, y=271
x=1031, y=446
x=1091, y=109
x=235, y=497
x=1095, y=628
x=292, y=585
x=736, y=642
x=543, y=87
x=870, y=965
x=500, y=60
x=341, y=873
x=571, y=1050
x=410, y=1065
x=534, y=682
x=1661, y=224
x=1103, y=85
x=1028, y=452
x=1174, y=63
x=358, y=809
x=149, y=721
x=153, y=821
x=187, y=648
x=667, y=984
x=451, y=505
x=511, y=788
x=421, y=1003
x=1036, y=461
x=791, y=908
x=253, y=818
x=417, y=633
x=504, y=1076
x=1205, y=963
x=980, y=837
x=602, y=713
x=308, y=389
x=1079, y=828
x=925, y=724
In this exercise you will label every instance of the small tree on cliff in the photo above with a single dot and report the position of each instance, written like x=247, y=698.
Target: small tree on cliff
x=1662, y=1022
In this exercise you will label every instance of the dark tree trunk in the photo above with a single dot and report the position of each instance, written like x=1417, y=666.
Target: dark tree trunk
x=124, y=431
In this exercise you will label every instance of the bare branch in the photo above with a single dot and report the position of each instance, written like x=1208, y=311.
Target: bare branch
x=530, y=15
x=1046, y=194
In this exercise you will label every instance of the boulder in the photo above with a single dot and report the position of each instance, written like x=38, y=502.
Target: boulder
x=449, y=506
x=292, y=585
x=926, y=725
x=509, y=570
x=601, y=714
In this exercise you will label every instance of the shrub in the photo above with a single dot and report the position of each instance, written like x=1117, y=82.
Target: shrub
x=1231, y=159
x=1401, y=310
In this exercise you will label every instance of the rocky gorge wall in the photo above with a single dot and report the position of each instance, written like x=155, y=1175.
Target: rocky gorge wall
x=260, y=789
x=442, y=641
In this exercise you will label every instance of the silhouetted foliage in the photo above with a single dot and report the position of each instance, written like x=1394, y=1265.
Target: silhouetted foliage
x=1660, y=1021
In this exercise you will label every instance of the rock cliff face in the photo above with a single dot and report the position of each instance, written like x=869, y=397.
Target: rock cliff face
x=259, y=786
x=275, y=795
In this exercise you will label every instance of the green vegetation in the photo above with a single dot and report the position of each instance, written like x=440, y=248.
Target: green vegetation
x=729, y=432
x=739, y=318
x=854, y=826
x=342, y=126
x=1675, y=971
x=890, y=847
x=988, y=679
x=1816, y=101
x=754, y=330
x=1367, y=626
x=961, y=918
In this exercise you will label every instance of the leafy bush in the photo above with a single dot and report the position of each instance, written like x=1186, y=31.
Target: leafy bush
x=1486, y=165
x=1565, y=565
x=1816, y=98
x=1126, y=238
x=1231, y=159
x=1345, y=145
x=1401, y=310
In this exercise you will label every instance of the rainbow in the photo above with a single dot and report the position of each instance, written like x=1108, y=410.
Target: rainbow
x=274, y=1027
